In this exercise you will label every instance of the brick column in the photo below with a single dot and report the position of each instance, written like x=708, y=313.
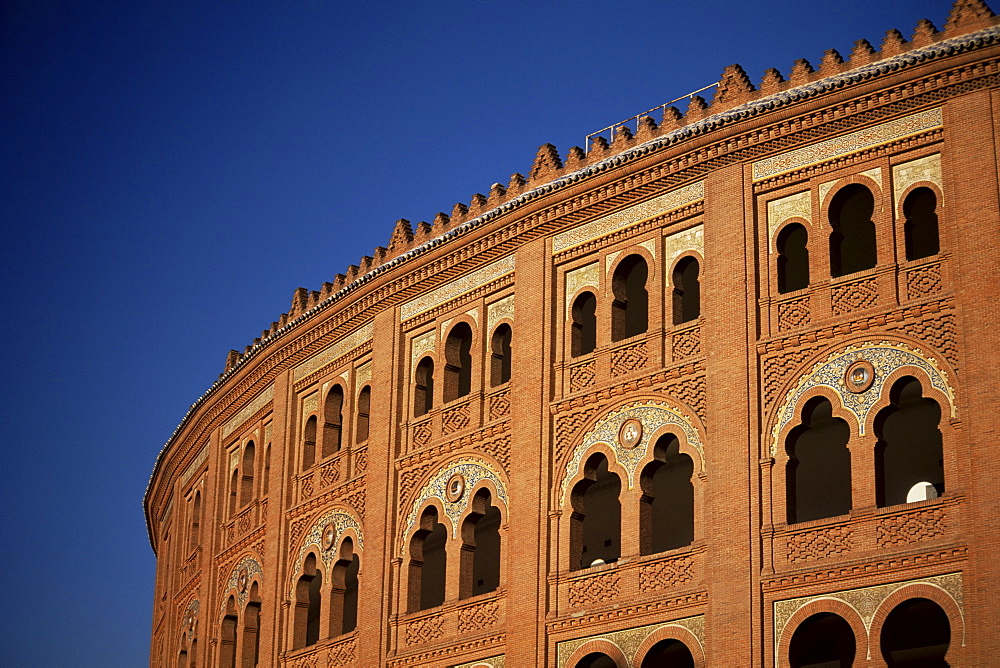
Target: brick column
x=274, y=590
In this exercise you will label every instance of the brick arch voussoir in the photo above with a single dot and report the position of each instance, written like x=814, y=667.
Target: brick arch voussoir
x=917, y=590
x=674, y=261
x=671, y=632
x=640, y=251
x=599, y=447
x=833, y=605
x=793, y=220
x=930, y=185
x=602, y=645
x=859, y=179
x=838, y=412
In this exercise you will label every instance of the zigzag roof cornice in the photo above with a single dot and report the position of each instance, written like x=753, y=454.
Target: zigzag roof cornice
x=880, y=68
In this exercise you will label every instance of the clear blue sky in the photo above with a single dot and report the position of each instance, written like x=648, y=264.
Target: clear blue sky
x=172, y=171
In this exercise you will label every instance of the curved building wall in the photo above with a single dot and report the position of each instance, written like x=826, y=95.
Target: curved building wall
x=702, y=395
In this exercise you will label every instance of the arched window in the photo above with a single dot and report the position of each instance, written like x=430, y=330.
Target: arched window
x=630, y=308
x=194, y=653
x=344, y=597
x=333, y=414
x=793, y=258
x=909, y=452
x=182, y=659
x=825, y=639
x=308, y=602
x=227, y=640
x=423, y=392
x=852, y=242
x=818, y=477
x=666, y=513
x=921, y=227
x=309, y=444
x=916, y=633
x=584, y=334
x=234, y=482
x=687, y=291
x=500, y=355
x=597, y=660
x=267, y=468
x=596, y=520
x=251, y=628
x=364, y=408
x=480, y=567
x=195, y=522
x=246, y=480
x=458, y=362
x=428, y=563
x=671, y=652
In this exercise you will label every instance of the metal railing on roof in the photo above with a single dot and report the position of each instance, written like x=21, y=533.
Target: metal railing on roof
x=586, y=142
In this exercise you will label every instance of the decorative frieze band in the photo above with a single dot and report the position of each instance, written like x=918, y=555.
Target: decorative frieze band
x=244, y=414
x=336, y=349
x=458, y=287
x=630, y=640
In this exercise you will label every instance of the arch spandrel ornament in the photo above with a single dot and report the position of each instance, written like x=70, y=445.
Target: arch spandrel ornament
x=189, y=622
x=616, y=431
x=244, y=572
x=629, y=641
x=324, y=535
x=470, y=471
x=883, y=358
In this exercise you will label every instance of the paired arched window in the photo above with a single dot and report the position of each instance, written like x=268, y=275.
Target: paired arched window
x=234, y=483
x=423, y=391
x=596, y=519
x=309, y=443
x=909, y=457
x=458, y=362
x=428, y=563
x=333, y=416
x=852, y=241
x=308, y=605
x=480, y=557
x=246, y=470
x=195, y=540
x=251, y=628
x=584, y=332
x=500, y=355
x=344, y=594
x=364, y=411
x=686, y=291
x=824, y=639
x=630, y=307
x=921, y=227
x=666, y=513
x=227, y=635
x=793, y=258
x=818, y=476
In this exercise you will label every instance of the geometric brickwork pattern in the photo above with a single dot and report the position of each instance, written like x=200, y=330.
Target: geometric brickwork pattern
x=474, y=470
x=819, y=544
x=653, y=416
x=629, y=640
x=885, y=357
x=854, y=296
x=865, y=601
x=341, y=519
x=251, y=567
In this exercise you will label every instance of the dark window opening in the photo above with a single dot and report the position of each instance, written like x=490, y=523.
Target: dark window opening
x=333, y=416
x=687, y=291
x=826, y=640
x=246, y=479
x=630, y=308
x=909, y=449
x=480, y=567
x=196, y=522
x=423, y=393
x=793, y=259
x=596, y=521
x=584, y=335
x=819, y=465
x=458, y=362
x=227, y=644
x=309, y=444
x=597, y=660
x=251, y=629
x=668, y=654
x=500, y=355
x=428, y=563
x=308, y=604
x=921, y=227
x=267, y=469
x=344, y=594
x=364, y=412
x=234, y=483
x=666, y=514
x=916, y=633
x=852, y=242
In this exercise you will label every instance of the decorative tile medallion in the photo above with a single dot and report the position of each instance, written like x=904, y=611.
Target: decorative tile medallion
x=457, y=288
x=239, y=581
x=780, y=210
x=906, y=174
x=629, y=640
x=651, y=417
x=847, y=144
x=881, y=358
x=323, y=535
x=471, y=471
x=335, y=350
x=865, y=601
x=618, y=220
x=244, y=414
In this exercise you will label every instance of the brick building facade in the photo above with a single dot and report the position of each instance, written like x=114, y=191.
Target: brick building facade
x=720, y=392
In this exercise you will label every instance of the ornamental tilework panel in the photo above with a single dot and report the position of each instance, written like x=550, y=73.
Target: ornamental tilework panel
x=885, y=357
x=499, y=310
x=474, y=470
x=681, y=242
x=458, y=287
x=847, y=144
x=252, y=567
x=190, y=620
x=586, y=276
x=629, y=640
x=780, y=210
x=491, y=662
x=618, y=220
x=362, y=375
x=259, y=402
x=341, y=519
x=653, y=417
x=422, y=344
x=906, y=174
x=337, y=349
x=864, y=601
